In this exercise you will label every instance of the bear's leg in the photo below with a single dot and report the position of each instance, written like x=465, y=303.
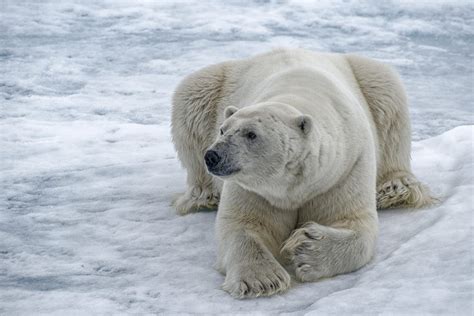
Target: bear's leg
x=386, y=98
x=198, y=196
x=193, y=129
x=316, y=251
x=251, y=269
x=250, y=232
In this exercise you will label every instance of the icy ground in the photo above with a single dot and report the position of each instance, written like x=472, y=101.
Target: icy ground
x=87, y=169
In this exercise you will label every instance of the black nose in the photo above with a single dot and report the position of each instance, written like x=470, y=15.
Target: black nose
x=212, y=158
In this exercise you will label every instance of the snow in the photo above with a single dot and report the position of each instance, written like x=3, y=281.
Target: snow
x=87, y=168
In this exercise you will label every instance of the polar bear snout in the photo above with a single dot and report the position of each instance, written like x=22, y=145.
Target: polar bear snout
x=212, y=159
x=218, y=163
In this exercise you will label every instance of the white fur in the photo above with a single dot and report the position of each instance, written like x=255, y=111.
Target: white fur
x=329, y=130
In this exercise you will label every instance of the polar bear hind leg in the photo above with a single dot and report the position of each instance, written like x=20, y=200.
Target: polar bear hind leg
x=386, y=98
x=193, y=124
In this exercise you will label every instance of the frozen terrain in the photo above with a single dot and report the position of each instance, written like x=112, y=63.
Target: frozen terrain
x=87, y=168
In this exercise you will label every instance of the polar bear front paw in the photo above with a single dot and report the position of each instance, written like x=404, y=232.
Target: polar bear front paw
x=309, y=252
x=196, y=198
x=248, y=281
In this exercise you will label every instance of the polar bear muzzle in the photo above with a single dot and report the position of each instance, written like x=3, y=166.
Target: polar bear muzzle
x=217, y=163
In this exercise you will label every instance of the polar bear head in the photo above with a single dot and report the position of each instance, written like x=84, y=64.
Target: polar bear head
x=259, y=144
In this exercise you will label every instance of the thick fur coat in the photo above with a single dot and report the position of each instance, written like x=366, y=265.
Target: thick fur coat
x=297, y=149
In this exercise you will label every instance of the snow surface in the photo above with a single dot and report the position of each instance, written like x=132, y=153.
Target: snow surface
x=87, y=168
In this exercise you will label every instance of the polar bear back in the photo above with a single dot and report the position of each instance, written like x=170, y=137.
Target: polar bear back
x=259, y=78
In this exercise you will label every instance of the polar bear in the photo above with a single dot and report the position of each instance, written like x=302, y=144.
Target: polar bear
x=297, y=150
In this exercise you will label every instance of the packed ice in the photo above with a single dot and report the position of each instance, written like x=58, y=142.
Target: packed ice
x=88, y=170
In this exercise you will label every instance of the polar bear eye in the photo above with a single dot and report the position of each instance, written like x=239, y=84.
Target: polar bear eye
x=221, y=131
x=251, y=135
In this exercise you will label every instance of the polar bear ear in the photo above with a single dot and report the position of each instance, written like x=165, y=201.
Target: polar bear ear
x=305, y=123
x=229, y=111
